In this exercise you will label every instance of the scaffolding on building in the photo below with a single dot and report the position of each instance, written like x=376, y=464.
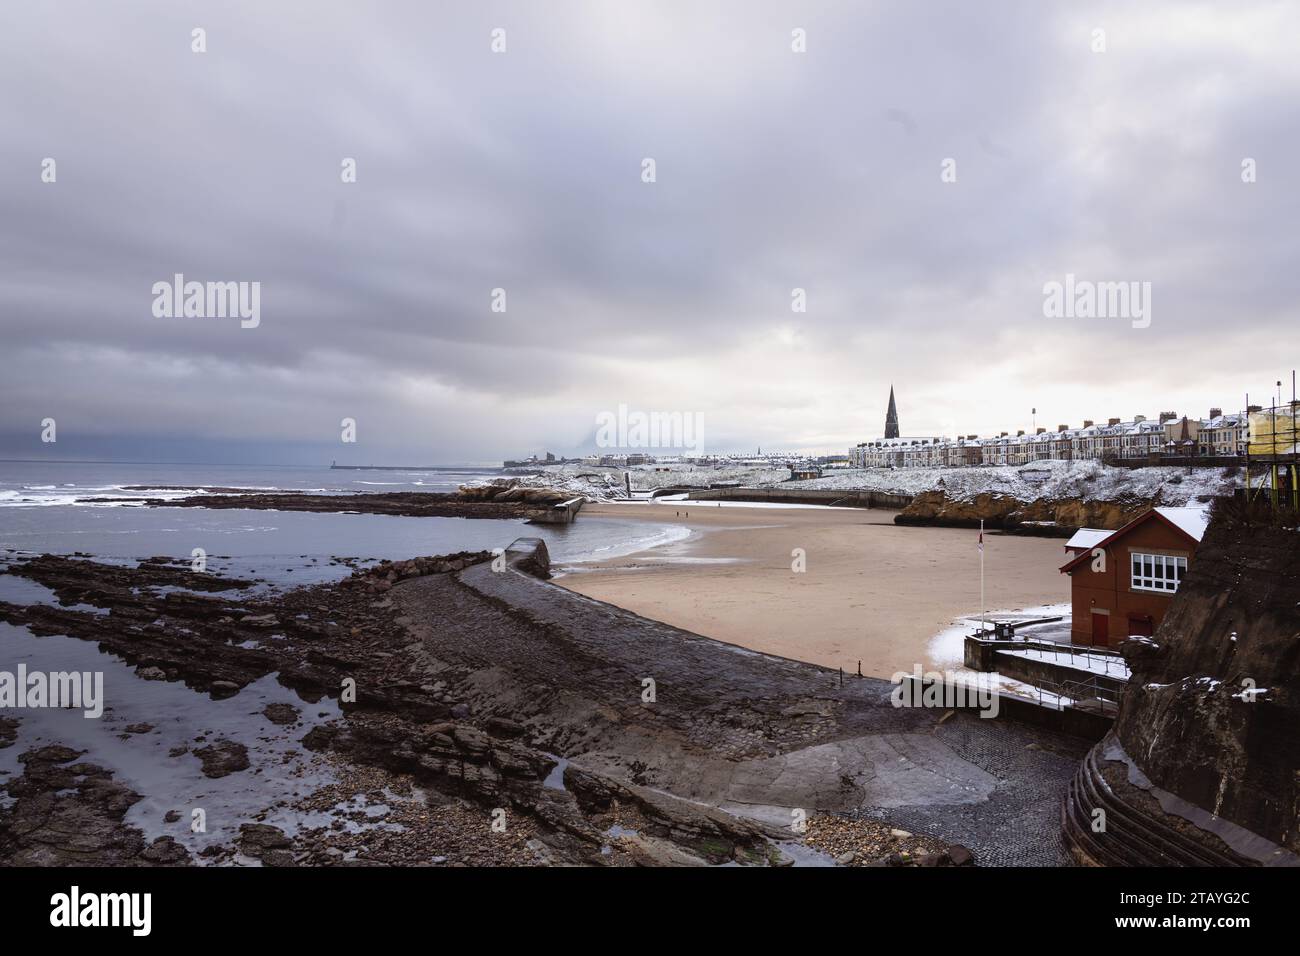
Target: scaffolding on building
x=1273, y=446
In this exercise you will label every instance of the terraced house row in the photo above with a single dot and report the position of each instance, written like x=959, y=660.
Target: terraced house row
x=1141, y=439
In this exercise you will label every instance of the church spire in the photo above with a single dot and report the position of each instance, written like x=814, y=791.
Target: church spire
x=891, y=417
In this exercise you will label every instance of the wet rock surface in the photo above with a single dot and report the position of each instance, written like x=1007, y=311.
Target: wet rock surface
x=68, y=812
x=222, y=758
x=460, y=684
x=414, y=504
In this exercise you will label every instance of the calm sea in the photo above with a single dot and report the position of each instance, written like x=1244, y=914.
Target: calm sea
x=41, y=511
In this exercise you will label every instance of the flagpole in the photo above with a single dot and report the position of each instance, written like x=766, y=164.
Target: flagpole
x=981, y=577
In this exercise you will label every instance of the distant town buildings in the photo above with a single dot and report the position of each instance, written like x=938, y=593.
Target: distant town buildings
x=1136, y=441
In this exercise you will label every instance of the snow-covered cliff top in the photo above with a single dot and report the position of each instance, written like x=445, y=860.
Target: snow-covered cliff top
x=1084, y=480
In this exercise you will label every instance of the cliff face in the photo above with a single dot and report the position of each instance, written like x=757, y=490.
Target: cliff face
x=1187, y=718
x=1007, y=511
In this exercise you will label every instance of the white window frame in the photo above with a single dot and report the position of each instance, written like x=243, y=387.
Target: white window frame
x=1156, y=573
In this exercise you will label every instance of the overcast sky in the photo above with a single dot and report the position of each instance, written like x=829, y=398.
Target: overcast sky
x=522, y=170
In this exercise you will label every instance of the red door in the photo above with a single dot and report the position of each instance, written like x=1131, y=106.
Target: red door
x=1100, y=629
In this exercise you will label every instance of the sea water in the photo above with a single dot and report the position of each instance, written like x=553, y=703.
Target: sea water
x=44, y=509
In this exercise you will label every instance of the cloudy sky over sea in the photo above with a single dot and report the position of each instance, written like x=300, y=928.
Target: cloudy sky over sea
x=774, y=170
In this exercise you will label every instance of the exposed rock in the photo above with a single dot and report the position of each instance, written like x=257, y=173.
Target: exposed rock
x=501, y=727
x=1005, y=511
x=958, y=855
x=223, y=758
x=165, y=849
x=1234, y=626
x=71, y=814
x=257, y=837
x=282, y=714
x=222, y=689
x=410, y=504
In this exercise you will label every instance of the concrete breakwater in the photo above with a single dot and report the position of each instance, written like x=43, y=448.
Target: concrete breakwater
x=753, y=735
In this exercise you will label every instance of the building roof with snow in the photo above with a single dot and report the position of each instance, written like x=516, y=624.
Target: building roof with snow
x=1192, y=521
x=1189, y=522
x=1088, y=538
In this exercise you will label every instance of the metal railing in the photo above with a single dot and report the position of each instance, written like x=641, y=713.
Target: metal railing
x=1113, y=665
x=1051, y=693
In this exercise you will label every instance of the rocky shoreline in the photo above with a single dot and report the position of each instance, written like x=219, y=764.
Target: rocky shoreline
x=1040, y=516
x=515, y=498
x=459, y=684
x=411, y=504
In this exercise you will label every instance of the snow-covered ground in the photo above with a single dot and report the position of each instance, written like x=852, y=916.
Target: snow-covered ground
x=604, y=482
x=1084, y=480
x=1107, y=665
x=947, y=647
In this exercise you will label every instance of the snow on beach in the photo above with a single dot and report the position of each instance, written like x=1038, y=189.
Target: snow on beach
x=946, y=650
x=1083, y=480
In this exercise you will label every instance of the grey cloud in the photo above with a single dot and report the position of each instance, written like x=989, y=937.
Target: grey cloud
x=521, y=171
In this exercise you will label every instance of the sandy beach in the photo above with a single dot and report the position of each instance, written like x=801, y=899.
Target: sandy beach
x=872, y=591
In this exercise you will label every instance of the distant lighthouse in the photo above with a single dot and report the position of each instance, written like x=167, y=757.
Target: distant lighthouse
x=891, y=417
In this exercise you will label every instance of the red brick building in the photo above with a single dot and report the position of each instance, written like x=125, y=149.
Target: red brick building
x=1122, y=581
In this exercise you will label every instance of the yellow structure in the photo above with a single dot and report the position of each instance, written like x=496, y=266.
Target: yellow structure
x=1274, y=432
x=1273, y=438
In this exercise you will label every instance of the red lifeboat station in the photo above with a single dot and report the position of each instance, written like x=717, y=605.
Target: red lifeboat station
x=1122, y=581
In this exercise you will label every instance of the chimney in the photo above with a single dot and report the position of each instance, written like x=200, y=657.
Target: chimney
x=1254, y=408
x=1002, y=435
x=1139, y=418
x=1087, y=423
x=1040, y=431
x=1112, y=421
x=971, y=437
x=1062, y=428
x=1020, y=433
x=1216, y=412
x=1167, y=417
